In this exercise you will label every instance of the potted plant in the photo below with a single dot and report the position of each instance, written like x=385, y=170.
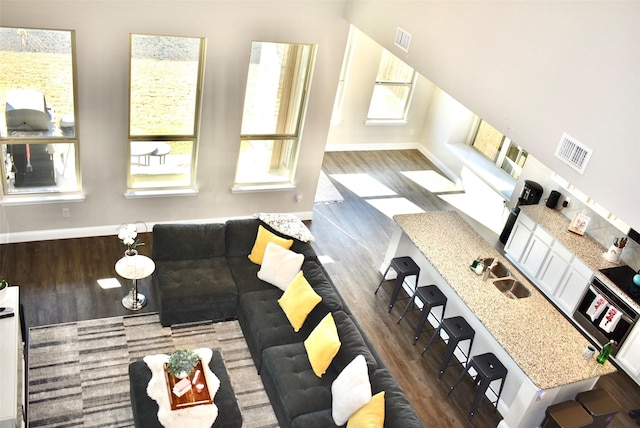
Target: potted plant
x=127, y=233
x=3, y=287
x=182, y=362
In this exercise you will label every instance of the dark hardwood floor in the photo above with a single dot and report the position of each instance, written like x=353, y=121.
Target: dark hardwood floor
x=58, y=284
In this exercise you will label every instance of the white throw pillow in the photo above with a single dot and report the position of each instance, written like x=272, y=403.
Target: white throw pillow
x=279, y=266
x=350, y=391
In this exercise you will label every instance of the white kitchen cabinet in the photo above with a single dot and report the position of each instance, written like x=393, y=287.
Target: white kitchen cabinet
x=553, y=268
x=519, y=237
x=573, y=286
x=629, y=355
x=12, y=392
x=536, y=251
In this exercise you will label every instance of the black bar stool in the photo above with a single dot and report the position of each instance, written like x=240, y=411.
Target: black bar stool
x=568, y=414
x=600, y=405
x=431, y=297
x=404, y=267
x=488, y=369
x=457, y=329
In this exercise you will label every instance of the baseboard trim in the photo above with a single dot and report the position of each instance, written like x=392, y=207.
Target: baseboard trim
x=106, y=230
x=370, y=147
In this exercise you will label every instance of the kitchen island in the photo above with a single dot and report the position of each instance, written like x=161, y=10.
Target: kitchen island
x=540, y=348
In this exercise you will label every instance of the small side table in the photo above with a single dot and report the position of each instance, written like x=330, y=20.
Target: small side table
x=138, y=268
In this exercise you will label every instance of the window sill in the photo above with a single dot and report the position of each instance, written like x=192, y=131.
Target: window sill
x=140, y=194
x=489, y=172
x=262, y=188
x=17, y=200
x=385, y=122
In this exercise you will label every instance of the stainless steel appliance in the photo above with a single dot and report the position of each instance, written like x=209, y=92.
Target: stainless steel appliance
x=531, y=194
x=592, y=325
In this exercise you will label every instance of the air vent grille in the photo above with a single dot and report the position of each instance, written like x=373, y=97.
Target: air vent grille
x=573, y=153
x=403, y=39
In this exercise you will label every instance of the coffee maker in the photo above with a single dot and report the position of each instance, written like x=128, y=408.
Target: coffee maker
x=531, y=195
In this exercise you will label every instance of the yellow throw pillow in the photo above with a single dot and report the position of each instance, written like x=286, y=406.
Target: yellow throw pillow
x=322, y=345
x=262, y=239
x=371, y=415
x=298, y=301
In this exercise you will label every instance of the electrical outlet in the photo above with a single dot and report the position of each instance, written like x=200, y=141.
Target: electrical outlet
x=65, y=212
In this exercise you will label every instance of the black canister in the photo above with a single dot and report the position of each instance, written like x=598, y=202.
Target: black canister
x=552, y=200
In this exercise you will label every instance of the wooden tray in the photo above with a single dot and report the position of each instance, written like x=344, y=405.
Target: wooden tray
x=190, y=398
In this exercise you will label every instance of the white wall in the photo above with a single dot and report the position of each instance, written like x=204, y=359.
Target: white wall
x=102, y=32
x=534, y=70
x=352, y=133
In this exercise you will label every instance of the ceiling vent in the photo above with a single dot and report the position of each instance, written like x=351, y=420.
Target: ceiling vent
x=573, y=153
x=403, y=39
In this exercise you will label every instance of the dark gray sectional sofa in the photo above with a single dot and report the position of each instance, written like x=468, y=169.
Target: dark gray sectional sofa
x=203, y=273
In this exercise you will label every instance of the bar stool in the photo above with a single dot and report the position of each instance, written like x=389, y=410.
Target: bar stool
x=404, y=267
x=457, y=329
x=431, y=297
x=600, y=405
x=568, y=414
x=488, y=369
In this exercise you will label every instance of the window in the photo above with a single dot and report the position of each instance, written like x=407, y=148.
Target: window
x=336, y=115
x=274, y=106
x=501, y=150
x=38, y=125
x=164, y=110
x=393, y=89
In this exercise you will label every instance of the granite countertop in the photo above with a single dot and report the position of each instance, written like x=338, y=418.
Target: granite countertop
x=585, y=248
x=546, y=346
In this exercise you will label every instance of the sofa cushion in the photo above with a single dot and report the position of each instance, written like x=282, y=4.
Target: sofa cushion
x=371, y=415
x=260, y=245
x=319, y=419
x=350, y=391
x=245, y=274
x=188, y=241
x=322, y=345
x=352, y=344
x=287, y=224
x=298, y=301
x=279, y=266
x=241, y=235
x=321, y=283
x=195, y=290
x=263, y=321
x=291, y=384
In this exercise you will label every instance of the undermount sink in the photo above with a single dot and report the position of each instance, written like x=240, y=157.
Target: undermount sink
x=512, y=288
x=499, y=270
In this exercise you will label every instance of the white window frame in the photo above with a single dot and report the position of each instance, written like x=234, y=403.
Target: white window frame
x=289, y=142
x=162, y=143
x=63, y=129
x=410, y=84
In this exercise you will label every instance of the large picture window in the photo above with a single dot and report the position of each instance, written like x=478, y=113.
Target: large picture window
x=38, y=124
x=165, y=97
x=392, y=90
x=501, y=150
x=274, y=105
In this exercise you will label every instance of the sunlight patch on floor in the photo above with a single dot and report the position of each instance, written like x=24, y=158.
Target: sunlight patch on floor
x=325, y=260
x=363, y=185
x=106, y=283
x=393, y=206
x=432, y=181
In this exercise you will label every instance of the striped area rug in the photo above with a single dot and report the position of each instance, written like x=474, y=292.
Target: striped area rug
x=78, y=372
